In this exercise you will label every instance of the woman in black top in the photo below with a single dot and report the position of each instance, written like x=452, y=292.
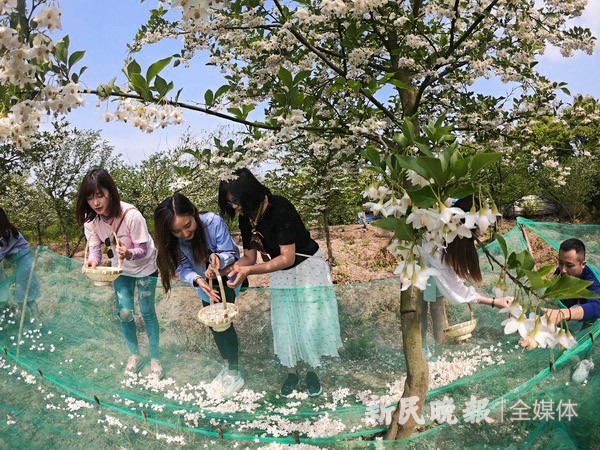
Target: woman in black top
x=304, y=315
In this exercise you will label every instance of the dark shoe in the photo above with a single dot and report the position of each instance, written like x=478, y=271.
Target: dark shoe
x=290, y=383
x=313, y=385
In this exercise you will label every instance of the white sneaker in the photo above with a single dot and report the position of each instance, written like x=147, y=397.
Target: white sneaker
x=231, y=384
x=582, y=370
x=219, y=378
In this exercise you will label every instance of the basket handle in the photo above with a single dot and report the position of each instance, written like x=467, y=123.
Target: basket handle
x=221, y=287
x=87, y=245
x=471, y=311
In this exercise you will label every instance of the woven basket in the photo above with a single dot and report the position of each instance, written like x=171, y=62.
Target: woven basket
x=218, y=316
x=461, y=331
x=101, y=275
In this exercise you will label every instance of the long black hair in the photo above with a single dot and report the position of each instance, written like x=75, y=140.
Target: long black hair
x=169, y=254
x=7, y=228
x=461, y=254
x=246, y=190
x=93, y=181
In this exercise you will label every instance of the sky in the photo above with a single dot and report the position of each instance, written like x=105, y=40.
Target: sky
x=103, y=29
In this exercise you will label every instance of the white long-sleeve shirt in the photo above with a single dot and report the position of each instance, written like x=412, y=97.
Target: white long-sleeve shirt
x=448, y=283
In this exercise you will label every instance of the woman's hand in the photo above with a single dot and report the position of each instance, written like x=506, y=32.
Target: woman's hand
x=122, y=251
x=214, y=265
x=90, y=264
x=207, y=289
x=239, y=274
x=503, y=302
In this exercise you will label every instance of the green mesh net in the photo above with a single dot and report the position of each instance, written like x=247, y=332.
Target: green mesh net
x=62, y=383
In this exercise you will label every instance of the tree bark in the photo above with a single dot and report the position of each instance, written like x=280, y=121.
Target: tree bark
x=417, y=370
x=439, y=320
x=38, y=228
x=63, y=229
x=327, y=233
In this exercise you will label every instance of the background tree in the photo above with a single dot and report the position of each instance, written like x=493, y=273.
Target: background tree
x=30, y=209
x=555, y=156
x=147, y=183
x=325, y=182
x=68, y=155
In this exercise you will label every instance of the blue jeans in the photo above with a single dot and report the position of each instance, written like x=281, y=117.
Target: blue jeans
x=23, y=261
x=124, y=295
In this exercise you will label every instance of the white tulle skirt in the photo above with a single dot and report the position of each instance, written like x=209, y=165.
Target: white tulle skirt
x=304, y=313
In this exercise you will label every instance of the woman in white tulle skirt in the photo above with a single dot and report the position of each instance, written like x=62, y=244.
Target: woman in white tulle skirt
x=304, y=314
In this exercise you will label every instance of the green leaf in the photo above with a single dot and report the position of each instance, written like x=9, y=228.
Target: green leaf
x=433, y=166
x=133, y=67
x=536, y=280
x=222, y=90
x=400, y=139
x=424, y=148
x=480, y=160
x=247, y=109
x=62, y=50
x=460, y=167
x=302, y=75
x=543, y=271
x=401, y=229
x=424, y=197
x=138, y=81
x=75, y=57
x=524, y=260
x=461, y=190
x=408, y=128
x=285, y=76
x=502, y=244
x=156, y=67
x=208, y=98
x=400, y=84
x=386, y=223
x=236, y=112
x=410, y=162
x=161, y=86
x=568, y=287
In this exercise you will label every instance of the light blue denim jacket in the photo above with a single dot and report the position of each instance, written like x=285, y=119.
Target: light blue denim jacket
x=219, y=242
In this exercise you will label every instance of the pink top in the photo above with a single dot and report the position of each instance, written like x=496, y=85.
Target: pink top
x=133, y=233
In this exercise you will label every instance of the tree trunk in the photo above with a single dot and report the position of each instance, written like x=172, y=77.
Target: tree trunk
x=439, y=320
x=417, y=371
x=63, y=229
x=71, y=254
x=328, y=237
x=38, y=228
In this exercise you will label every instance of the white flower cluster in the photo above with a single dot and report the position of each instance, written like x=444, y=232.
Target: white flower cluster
x=290, y=123
x=179, y=184
x=535, y=331
x=180, y=440
x=441, y=224
x=445, y=370
x=49, y=17
x=194, y=10
x=22, y=65
x=7, y=6
x=334, y=7
x=146, y=117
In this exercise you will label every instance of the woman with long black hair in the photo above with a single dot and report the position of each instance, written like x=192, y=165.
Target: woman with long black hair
x=188, y=242
x=304, y=314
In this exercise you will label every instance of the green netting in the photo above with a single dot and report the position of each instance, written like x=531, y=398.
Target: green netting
x=64, y=387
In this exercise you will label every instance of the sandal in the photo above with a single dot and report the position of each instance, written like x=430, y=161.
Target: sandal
x=156, y=369
x=133, y=364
